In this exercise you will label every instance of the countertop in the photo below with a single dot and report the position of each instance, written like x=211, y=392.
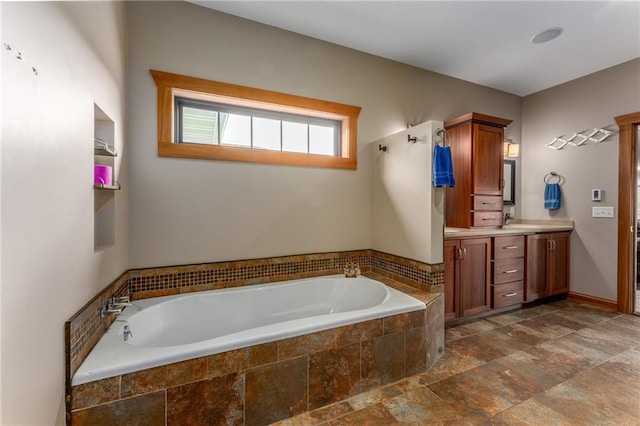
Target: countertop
x=515, y=227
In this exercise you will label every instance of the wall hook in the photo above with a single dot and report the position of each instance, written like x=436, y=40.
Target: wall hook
x=412, y=139
x=597, y=135
x=557, y=143
x=382, y=148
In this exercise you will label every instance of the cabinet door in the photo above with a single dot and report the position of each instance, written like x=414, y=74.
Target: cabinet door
x=450, y=278
x=458, y=198
x=475, y=276
x=536, y=276
x=559, y=264
x=487, y=159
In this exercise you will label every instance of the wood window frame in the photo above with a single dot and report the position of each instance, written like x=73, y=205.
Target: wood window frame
x=172, y=85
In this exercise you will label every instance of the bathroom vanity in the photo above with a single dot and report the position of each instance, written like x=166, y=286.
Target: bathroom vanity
x=492, y=269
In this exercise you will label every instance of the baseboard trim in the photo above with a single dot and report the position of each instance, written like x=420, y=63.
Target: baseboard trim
x=610, y=305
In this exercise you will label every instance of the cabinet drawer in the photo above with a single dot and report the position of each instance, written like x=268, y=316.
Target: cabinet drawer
x=507, y=270
x=507, y=247
x=481, y=219
x=487, y=202
x=507, y=294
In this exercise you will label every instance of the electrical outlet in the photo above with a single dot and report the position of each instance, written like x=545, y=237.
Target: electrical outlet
x=602, y=211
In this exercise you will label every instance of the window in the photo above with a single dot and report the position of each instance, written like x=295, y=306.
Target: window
x=206, y=119
x=219, y=124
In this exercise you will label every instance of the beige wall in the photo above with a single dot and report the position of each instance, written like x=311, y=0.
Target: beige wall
x=407, y=211
x=49, y=266
x=579, y=105
x=187, y=211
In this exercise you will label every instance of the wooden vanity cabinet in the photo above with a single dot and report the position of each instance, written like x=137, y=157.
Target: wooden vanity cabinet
x=493, y=272
x=507, y=287
x=547, y=265
x=476, y=142
x=467, y=276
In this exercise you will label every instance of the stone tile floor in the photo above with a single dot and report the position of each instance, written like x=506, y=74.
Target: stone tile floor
x=562, y=363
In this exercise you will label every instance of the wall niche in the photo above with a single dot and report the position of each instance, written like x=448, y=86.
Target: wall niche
x=104, y=194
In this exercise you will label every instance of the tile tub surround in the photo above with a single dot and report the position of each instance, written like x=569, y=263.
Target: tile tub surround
x=420, y=275
x=153, y=282
x=85, y=328
x=273, y=381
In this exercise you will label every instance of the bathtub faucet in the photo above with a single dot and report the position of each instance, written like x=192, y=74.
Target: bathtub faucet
x=114, y=306
x=126, y=332
x=351, y=270
x=121, y=301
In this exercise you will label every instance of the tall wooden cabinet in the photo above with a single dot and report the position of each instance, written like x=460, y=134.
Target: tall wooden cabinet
x=547, y=265
x=476, y=142
x=467, y=276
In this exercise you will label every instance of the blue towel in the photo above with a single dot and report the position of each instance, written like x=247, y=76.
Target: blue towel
x=443, y=167
x=552, y=196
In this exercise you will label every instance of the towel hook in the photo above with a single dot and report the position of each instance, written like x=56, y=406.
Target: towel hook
x=412, y=139
x=548, y=178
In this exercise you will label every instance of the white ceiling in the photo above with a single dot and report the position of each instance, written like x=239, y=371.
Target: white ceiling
x=487, y=43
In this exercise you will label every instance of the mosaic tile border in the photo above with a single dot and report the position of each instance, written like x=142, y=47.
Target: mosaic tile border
x=85, y=328
x=422, y=276
x=145, y=283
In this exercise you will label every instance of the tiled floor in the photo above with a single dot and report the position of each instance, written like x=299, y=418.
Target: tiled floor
x=562, y=363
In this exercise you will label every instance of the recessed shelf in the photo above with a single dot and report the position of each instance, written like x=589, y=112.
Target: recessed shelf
x=104, y=197
x=108, y=151
x=100, y=147
x=114, y=187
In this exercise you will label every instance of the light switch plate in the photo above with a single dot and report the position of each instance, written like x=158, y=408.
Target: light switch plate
x=602, y=211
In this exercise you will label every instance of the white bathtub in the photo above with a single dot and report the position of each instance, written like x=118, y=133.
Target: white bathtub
x=176, y=328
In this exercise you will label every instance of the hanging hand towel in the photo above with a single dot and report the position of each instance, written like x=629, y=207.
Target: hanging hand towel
x=552, y=196
x=443, y=167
